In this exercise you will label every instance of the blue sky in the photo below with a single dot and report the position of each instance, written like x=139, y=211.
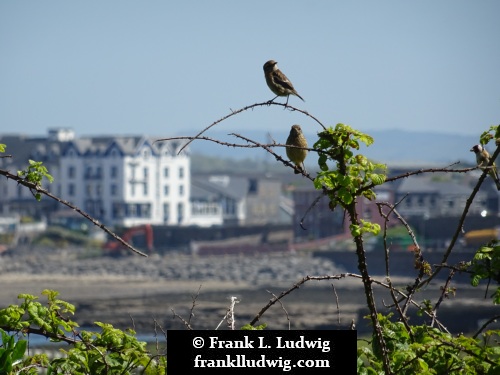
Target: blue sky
x=172, y=68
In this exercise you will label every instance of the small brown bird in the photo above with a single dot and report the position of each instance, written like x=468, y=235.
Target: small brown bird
x=482, y=160
x=297, y=155
x=277, y=81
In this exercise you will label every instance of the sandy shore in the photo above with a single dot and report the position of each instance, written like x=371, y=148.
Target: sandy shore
x=133, y=292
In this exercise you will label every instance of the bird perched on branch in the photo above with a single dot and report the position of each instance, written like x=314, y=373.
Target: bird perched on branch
x=278, y=82
x=297, y=155
x=482, y=160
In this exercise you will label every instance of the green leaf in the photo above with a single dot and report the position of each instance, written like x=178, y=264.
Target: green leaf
x=248, y=327
x=377, y=179
x=19, y=350
x=345, y=196
x=355, y=230
x=322, y=162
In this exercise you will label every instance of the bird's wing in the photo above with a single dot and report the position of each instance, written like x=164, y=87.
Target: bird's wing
x=280, y=79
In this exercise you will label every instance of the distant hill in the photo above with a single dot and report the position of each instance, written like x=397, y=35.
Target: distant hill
x=390, y=147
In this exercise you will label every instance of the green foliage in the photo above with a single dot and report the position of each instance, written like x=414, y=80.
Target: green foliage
x=486, y=266
x=34, y=174
x=487, y=135
x=365, y=227
x=2, y=147
x=352, y=175
x=249, y=327
x=110, y=351
x=426, y=350
x=11, y=352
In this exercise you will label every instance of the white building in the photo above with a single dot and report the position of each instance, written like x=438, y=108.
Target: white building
x=121, y=180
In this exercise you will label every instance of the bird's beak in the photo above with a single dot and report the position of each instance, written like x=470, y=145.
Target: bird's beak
x=471, y=150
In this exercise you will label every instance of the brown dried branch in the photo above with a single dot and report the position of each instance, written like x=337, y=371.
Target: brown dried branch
x=194, y=298
x=464, y=216
x=277, y=157
x=175, y=315
x=286, y=106
x=295, y=286
x=444, y=294
x=337, y=302
x=282, y=307
x=401, y=312
x=486, y=324
x=254, y=144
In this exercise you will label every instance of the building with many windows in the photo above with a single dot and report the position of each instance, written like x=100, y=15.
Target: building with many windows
x=119, y=180
x=224, y=199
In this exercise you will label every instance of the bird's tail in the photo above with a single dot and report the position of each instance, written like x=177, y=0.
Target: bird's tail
x=497, y=182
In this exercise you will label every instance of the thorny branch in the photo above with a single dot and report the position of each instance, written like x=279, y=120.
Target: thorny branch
x=401, y=312
x=278, y=157
x=307, y=278
x=286, y=106
x=486, y=324
x=444, y=294
x=283, y=308
x=463, y=217
x=194, y=298
x=175, y=315
x=418, y=250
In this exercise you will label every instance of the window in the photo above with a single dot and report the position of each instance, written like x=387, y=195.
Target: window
x=114, y=171
x=114, y=189
x=88, y=172
x=181, y=172
x=409, y=201
x=181, y=190
x=253, y=186
x=166, y=190
x=71, y=190
x=180, y=212
x=420, y=201
x=145, y=188
x=145, y=172
x=71, y=171
x=165, y=172
x=145, y=210
x=166, y=212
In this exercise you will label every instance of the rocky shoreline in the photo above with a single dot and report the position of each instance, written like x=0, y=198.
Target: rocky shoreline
x=134, y=292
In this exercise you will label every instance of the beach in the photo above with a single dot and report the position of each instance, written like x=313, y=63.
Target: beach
x=136, y=292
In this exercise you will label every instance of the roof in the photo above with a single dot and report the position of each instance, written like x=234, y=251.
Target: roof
x=50, y=148
x=429, y=184
x=219, y=185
